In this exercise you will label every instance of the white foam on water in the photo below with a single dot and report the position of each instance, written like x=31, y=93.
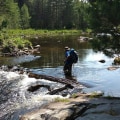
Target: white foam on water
x=8, y=75
x=26, y=81
x=38, y=97
x=22, y=97
x=11, y=75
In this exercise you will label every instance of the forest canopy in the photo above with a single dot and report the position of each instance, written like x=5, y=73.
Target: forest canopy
x=43, y=14
x=101, y=16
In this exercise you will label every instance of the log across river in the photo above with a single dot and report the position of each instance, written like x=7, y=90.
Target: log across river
x=67, y=82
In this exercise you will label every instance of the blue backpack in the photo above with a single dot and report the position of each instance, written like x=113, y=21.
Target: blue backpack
x=73, y=56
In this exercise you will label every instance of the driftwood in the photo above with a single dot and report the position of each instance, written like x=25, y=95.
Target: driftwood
x=36, y=87
x=51, y=92
x=68, y=84
x=60, y=89
x=54, y=79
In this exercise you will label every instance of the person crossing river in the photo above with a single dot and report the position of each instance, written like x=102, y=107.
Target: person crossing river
x=70, y=58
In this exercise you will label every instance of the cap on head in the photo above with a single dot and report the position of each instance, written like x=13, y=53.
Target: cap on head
x=67, y=48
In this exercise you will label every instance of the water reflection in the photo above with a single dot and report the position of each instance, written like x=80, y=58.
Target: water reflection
x=52, y=52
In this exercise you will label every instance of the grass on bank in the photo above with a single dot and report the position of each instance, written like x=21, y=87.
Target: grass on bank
x=18, y=38
x=32, y=32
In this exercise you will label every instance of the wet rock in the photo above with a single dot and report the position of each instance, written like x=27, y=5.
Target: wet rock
x=99, y=116
x=116, y=61
x=61, y=115
x=19, y=52
x=102, y=61
x=113, y=68
x=43, y=114
x=83, y=39
x=102, y=109
x=101, y=112
x=57, y=111
x=50, y=113
x=80, y=108
x=13, y=68
x=37, y=46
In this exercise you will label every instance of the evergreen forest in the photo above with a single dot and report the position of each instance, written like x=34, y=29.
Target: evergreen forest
x=60, y=14
x=43, y=14
x=102, y=17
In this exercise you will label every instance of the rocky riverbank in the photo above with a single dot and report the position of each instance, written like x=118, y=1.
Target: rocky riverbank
x=81, y=107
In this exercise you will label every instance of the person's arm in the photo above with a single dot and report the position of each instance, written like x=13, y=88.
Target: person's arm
x=67, y=55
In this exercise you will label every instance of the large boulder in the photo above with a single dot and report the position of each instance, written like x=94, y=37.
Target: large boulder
x=117, y=61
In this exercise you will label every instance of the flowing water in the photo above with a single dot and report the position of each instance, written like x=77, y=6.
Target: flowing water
x=15, y=100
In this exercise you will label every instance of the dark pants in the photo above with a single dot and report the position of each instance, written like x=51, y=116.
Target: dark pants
x=67, y=69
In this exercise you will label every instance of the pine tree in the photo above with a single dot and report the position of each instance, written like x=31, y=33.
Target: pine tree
x=24, y=17
x=9, y=14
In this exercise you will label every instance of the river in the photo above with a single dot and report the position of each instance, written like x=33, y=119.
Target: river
x=16, y=100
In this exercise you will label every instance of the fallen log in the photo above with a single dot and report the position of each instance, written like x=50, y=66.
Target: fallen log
x=36, y=87
x=60, y=89
x=54, y=79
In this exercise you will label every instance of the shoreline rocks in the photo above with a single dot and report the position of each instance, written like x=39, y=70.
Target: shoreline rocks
x=19, y=52
x=83, y=107
x=116, y=61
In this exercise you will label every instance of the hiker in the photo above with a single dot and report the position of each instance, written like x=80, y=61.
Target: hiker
x=70, y=58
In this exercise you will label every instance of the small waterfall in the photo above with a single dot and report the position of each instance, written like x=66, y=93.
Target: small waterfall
x=15, y=97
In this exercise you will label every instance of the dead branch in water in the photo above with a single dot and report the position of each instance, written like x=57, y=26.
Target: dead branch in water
x=60, y=89
x=54, y=79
